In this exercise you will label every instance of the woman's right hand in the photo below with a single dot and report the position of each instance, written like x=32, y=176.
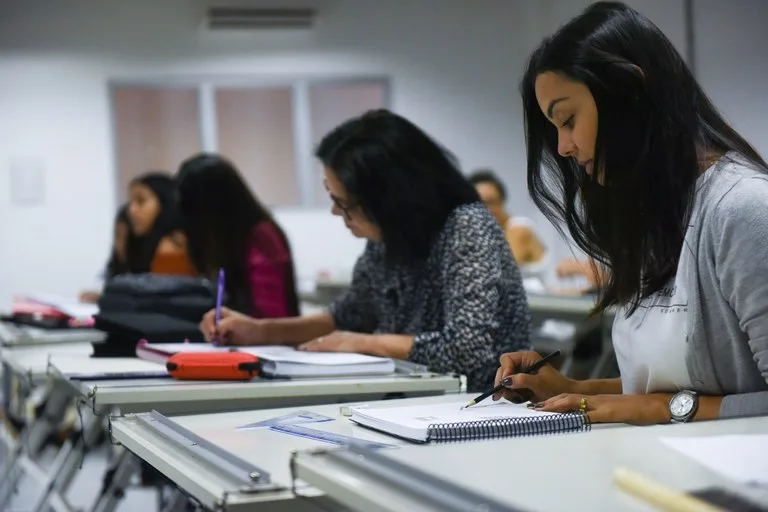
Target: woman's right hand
x=537, y=387
x=234, y=328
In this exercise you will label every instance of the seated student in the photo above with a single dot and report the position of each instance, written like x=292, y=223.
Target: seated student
x=118, y=260
x=227, y=227
x=674, y=203
x=525, y=245
x=436, y=284
x=156, y=242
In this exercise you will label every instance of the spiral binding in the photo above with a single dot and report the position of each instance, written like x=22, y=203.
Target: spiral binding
x=509, y=427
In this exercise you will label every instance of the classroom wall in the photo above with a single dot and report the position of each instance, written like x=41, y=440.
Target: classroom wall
x=454, y=67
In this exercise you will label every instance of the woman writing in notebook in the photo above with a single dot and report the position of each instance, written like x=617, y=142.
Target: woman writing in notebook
x=627, y=151
x=227, y=227
x=436, y=284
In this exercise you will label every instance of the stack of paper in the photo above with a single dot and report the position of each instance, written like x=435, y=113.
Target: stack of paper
x=57, y=304
x=282, y=361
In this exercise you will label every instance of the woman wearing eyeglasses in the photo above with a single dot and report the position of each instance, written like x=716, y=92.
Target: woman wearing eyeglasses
x=436, y=284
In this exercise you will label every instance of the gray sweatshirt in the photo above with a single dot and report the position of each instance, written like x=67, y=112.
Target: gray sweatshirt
x=728, y=289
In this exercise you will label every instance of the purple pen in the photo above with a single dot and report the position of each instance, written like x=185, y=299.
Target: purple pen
x=219, y=296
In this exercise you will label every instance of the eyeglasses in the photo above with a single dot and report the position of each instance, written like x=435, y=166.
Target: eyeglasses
x=345, y=210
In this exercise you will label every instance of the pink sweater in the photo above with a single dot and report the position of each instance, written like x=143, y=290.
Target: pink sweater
x=269, y=266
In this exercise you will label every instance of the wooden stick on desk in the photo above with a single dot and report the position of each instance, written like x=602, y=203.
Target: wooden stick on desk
x=659, y=495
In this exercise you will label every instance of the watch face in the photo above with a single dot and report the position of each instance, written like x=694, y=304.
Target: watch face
x=681, y=405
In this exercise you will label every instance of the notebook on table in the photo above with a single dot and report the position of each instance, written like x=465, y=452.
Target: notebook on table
x=282, y=361
x=452, y=422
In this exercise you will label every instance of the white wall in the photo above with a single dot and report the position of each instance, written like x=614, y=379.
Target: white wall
x=454, y=66
x=732, y=63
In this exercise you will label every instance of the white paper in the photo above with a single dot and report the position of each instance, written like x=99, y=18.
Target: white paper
x=277, y=353
x=70, y=306
x=743, y=458
x=291, y=355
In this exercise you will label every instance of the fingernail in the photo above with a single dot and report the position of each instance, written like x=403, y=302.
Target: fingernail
x=506, y=382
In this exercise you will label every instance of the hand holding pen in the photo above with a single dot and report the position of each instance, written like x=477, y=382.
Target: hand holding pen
x=539, y=385
x=503, y=380
x=219, y=298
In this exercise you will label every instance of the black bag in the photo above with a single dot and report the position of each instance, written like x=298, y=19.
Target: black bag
x=182, y=297
x=158, y=308
x=125, y=329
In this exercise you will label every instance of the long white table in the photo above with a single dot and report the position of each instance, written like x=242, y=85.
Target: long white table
x=25, y=370
x=109, y=394
x=12, y=335
x=191, y=397
x=210, y=459
x=552, y=473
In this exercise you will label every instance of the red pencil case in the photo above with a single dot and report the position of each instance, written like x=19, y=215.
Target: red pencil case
x=213, y=366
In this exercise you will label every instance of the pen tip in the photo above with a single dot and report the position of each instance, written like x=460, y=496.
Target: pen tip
x=470, y=404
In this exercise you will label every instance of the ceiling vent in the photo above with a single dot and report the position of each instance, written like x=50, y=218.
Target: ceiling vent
x=245, y=18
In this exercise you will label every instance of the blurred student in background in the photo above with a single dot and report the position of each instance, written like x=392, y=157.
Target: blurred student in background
x=156, y=242
x=436, y=284
x=118, y=260
x=525, y=245
x=227, y=227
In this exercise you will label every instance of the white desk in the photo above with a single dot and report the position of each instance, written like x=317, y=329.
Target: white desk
x=578, y=306
x=567, y=472
x=574, y=309
x=12, y=335
x=31, y=361
x=120, y=396
x=190, y=397
x=25, y=368
x=270, y=451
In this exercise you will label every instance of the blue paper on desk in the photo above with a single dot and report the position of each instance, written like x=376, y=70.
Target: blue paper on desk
x=329, y=437
x=294, y=418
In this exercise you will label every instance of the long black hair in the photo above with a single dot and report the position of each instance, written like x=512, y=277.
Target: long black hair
x=141, y=249
x=219, y=213
x=401, y=179
x=118, y=264
x=656, y=127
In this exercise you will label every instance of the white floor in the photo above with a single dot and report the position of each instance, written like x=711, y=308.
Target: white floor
x=85, y=489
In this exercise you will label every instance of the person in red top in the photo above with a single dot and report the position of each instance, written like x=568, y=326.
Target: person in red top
x=227, y=227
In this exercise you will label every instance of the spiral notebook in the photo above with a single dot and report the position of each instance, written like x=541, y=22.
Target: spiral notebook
x=452, y=422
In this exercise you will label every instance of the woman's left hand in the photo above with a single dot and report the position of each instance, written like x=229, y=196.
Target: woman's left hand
x=634, y=409
x=337, y=341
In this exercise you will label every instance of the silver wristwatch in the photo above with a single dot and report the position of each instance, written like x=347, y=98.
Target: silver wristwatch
x=683, y=406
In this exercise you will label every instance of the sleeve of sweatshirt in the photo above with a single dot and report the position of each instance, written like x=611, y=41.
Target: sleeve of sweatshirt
x=741, y=260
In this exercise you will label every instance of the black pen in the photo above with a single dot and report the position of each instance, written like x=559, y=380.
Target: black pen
x=534, y=367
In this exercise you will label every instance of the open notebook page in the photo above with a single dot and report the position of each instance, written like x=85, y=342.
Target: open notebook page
x=413, y=422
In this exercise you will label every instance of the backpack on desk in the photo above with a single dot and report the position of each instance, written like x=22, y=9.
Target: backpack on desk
x=182, y=297
x=151, y=306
